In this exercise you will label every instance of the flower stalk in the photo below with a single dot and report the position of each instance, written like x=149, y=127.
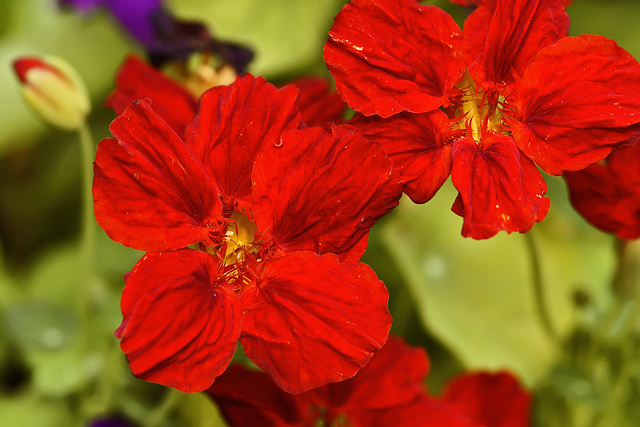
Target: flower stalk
x=88, y=231
x=537, y=281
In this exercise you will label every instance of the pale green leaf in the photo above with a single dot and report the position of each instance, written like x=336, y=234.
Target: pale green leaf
x=59, y=373
x=31, y=410
x=286, y=35
x=476, y=296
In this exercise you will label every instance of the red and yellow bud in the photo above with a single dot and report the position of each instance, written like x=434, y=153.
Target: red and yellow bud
x=54, y=90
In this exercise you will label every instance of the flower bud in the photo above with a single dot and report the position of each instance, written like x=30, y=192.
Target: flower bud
x=54, y=90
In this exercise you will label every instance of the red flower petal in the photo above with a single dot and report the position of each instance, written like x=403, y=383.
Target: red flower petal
x=577, y=99
x=418, y=144
x=138, y=80
x=388, y=391
x=180, y=326
x=608, y=195
x=423, y=412
x=394, y=377
x=466, y=2
x=495, y=400
x=150, y=192
x=312, y=320
x=322, y=190
x=318, y=103
x=502, y=36
x=234, y=124
x=250, y=398
x=499, y=188
x=371, y=53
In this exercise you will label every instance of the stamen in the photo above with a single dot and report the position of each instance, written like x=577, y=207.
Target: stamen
x=479, y=109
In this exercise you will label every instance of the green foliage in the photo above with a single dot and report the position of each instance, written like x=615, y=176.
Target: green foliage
x=596, y=381
x=32, y=410
x=464, y=300
x=475, y=296
x=286, y=35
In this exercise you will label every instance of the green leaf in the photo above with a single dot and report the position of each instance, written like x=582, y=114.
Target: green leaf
x=198, y=410
x=31, y=410
x=41, y=326
x=59, y=373
x=8, y=291
x=54, y=277
x=476, y=296
x=48, y=338
x=286, y=35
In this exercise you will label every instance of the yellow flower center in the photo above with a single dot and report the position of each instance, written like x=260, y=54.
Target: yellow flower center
x=239, y=238
x=202, y=72
x=477, y=110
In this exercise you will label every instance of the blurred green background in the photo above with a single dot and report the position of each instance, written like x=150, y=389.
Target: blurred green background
x=468, y=303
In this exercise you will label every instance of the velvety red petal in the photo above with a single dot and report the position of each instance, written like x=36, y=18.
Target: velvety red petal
x=138, y=80
x=391, y=382
x=608, y=194
x=371, y=53
x=502, y=36
x=150, y=191
x=250, y=398
x=322, y=190
x=419, y=146
x=319, y=104
x=499, y=188
x=180, y=326
x=422, y=412
x=466, y=2
x=312, y=320
x=394, y=377
x=234, y=124
x=577, y=99
x=388, y=391
x=490, y=399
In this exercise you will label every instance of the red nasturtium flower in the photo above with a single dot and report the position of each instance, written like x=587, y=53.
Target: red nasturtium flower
x=493, y=399
x=566, y=3
x=388, y=391
x=177, y=102
x=486, y=104
x=607, y=194
x=255, y=230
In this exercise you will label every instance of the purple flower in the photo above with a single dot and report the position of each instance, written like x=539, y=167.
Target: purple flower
x=166, y=37
x=114, y=421
x=134, y=16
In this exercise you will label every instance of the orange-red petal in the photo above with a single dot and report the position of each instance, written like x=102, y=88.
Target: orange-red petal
x=312, y=320
x=419, y=146
x=490, y=399
x=149, y=189
x=502, y=36
x=607, y=194
x=138, y=80
x=181, y=324
x=234, y=124
x=499, y=188
x=577, y=100
x=322, y=190
x=394, y=55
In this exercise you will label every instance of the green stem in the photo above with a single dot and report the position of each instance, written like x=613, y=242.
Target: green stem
x=88, y=231
x=158, y=415
x=626, y=279
x=402, y=309
x=538, y=290
x=619, y=390
x=100, y=400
